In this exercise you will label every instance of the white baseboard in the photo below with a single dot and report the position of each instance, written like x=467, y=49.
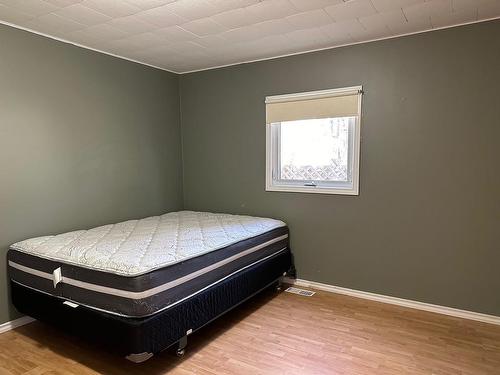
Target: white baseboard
x=485, y=318
x=15, y=323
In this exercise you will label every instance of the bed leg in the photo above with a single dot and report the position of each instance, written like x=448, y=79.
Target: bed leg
x=139, y=358
x=281, y=282
x=279, y=285
x=181, y=349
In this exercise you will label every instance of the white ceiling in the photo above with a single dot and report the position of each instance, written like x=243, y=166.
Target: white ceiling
x=187, y=35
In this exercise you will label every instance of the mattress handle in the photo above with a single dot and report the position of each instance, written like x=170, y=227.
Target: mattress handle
x=57, y=276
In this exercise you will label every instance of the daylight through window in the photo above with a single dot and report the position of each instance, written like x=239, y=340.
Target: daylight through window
x=313, y=141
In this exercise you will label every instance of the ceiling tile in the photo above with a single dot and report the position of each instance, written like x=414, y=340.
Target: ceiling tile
x=192, y=9
x=111, y=8
x=148, y=4
x=390, y=5
x=307, y=38
x=63, y=3
x=204, y=26
x=83, y=37
x=458, y=5
x=257, y=31
x=489, y=10
x=137, y=42
x=266, y=46
x=303, y=5
x=162, y=55
x=132, y=25
x=170, y=59
x=233, y=18
x=104, y=32
x=12, y=15
x=225, y=5
x=161, y=16
x=342, y=30
x=188, y=48
x=175, y=34
x=211, y=41
x=426, y=9
x=30, y=7
x=380, y=21
x=274, y=27
x=312, y=18
x=54, y=25
x=350, y=10
x=411, y=26
x=243, y=34
x=271, y=9
x=454, y=18
x=82, y=14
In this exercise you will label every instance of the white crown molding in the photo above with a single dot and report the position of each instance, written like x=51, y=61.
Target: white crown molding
x=450, y=311
x=15, y=323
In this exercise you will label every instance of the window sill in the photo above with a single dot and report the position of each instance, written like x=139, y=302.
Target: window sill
x=313, y=190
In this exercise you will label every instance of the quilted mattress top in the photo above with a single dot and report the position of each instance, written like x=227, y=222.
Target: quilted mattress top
x=136, y=247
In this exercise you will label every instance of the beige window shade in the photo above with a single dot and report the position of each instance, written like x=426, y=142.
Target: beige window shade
x=312, y=108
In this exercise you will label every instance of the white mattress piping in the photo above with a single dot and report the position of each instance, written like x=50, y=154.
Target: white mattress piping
x=148, y=292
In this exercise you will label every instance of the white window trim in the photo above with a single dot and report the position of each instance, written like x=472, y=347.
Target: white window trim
x=292, y=188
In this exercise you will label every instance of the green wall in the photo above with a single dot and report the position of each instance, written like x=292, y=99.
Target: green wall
x=85, y=139
x=426, y=223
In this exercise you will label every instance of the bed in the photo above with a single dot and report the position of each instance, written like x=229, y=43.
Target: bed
x=141, y=286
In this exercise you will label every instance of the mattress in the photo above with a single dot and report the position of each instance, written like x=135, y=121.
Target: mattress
x=140, y=267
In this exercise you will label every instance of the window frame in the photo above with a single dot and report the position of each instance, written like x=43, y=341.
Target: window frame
x=273, y=145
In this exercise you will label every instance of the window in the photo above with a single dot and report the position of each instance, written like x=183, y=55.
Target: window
x=313, y=141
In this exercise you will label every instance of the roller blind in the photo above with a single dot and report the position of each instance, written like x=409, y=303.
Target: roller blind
x=313, y=105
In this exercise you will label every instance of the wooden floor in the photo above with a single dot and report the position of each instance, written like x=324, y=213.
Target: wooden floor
x=283, y=334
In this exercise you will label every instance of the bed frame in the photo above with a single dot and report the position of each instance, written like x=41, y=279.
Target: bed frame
x=138, y=339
